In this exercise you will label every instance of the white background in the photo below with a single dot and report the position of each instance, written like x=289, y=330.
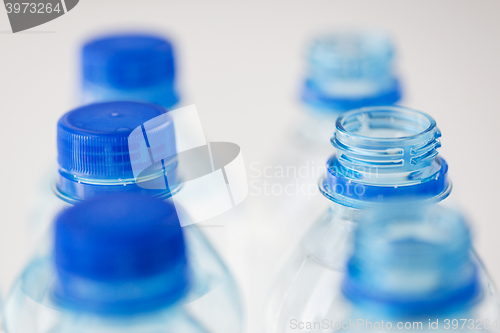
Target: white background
x=241, y=63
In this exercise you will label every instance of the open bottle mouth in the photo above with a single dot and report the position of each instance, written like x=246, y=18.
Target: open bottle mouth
x=351, y=54
x=385, y=152
x=392, y=138
x=385, y=123
x=413, y=260
x=349, y=70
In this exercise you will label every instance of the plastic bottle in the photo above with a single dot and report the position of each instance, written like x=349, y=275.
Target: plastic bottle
x=140, y=67
x=95, y=158
x=383, y=154
x=345, y=70
x=121, y=67
x=120, y=264
x=411, y=269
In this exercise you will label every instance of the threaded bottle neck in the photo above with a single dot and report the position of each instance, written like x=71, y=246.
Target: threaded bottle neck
x=386, y=151
x=412, y=260
x=390, y=139
x=351, y=69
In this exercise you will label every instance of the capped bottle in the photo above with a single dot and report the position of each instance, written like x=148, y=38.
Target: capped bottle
x=120, y=263
x=98, y=146
x=129, y=66
x=384, y=155
x=345, y=70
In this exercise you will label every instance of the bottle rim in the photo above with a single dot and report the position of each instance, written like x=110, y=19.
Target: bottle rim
x=410, y=114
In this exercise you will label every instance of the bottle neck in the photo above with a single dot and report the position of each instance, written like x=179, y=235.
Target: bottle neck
x=343, y=96
x=163, y=93
x=385, y=153
x=350, y=70
x=408, y=302
x=412, y=261
x=73, y=188
x=121, y=298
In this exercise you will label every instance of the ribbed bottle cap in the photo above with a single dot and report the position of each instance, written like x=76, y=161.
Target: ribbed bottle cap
x=128, y=61
x=119, y=253
x=93, y=140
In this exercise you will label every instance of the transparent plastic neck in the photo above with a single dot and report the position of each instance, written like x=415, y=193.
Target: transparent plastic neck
x=349, y=70
x=387, y=140
x=73, y=188
x=120, y=297
x=412, y=260
x=164, y=94
x=383, y=152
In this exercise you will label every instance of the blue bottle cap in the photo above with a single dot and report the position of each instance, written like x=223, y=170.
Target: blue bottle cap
x=348, y=70
x=132, y=63
x=94, y=153
x=120, y=253
x=128, y=61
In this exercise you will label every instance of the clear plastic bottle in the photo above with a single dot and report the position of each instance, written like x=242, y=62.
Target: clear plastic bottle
x=120, y=263
x=123, y=67
x=95, y=158
x=135, y=66
x=118, y=67
x=383, y=154
x=345, y=70
x=411, y=269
